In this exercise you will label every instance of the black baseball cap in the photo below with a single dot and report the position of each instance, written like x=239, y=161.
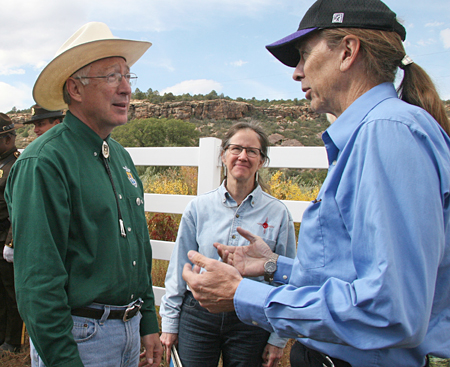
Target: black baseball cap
x=368, y=14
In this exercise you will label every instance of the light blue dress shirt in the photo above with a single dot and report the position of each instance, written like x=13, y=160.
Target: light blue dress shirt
x=371, y=281
x=214, y=217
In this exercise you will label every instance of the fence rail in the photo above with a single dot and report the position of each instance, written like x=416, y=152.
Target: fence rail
x=206, y=158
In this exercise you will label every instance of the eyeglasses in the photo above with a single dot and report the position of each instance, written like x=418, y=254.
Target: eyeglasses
x=251, y=152
x=114, y=78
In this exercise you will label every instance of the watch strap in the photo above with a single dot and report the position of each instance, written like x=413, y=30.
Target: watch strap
x=268, y=276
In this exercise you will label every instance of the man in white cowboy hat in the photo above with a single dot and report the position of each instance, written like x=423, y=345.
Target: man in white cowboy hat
x=43, y=120
x=82, y=249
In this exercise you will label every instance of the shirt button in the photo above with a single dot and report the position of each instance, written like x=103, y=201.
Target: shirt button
x=129, y=229
x=237, y=215
x=233, y=237
x=95, y=154
x=284, y=277
x=138, y=201
x=254, y=323
x=134, y=263
x=132, y=296
x=334, y=163
x=253, y=203
x=120, y=196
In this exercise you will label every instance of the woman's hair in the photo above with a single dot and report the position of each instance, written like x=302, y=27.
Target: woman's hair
x=263, y=141
x=383, y=53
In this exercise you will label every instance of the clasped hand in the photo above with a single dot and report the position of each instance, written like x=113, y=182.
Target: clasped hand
x=214, y=289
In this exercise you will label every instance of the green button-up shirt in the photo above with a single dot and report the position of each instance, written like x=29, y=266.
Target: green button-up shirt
x=69, y=251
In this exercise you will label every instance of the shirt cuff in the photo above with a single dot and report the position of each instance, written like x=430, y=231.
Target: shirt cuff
x=249, y=303
x=275, y=340
x=170, y=325
x=149, y=323
x=284, y=269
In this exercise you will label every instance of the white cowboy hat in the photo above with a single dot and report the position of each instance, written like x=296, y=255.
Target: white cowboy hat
x=92, y=42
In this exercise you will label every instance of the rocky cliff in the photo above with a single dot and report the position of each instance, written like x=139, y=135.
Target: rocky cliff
x=217, y=109
x=296, y=124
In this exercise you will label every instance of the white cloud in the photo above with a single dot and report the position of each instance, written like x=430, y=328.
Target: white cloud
x=238, y=63
x=12, y=71
x=427, y=42
x=11, y=96
x=155, y=15
x=445, y=37
x=199, y=86
x=37, y=29
x=434, y=24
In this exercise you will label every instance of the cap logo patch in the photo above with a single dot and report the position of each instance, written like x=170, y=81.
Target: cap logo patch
x=130, y=176
x=338, y=18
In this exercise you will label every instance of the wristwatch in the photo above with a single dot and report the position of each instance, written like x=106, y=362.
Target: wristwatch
x=270, y=267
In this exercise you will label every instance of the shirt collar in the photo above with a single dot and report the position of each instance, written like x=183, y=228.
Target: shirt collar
x=227, y=199
x=8, y=153
x=84, y=131
x=339, y=133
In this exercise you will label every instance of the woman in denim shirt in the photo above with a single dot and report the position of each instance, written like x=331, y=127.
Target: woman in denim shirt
x=213, y=217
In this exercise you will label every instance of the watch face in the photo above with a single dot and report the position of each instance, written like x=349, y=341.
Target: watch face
x=270, y=267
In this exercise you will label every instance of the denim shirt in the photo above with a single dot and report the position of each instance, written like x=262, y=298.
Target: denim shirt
x=214, y=217
x=370, y=283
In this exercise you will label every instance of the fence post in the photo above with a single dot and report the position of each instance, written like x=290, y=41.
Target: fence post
x=208, y=165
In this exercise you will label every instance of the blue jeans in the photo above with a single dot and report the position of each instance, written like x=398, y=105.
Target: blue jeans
x=103, y=343
x=203, y=336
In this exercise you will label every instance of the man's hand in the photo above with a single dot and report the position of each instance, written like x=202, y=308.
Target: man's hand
x=8, y=254
x=214, y=289
x=153, y=351
x=248, y=260
x=167, y=340
x=271, y=355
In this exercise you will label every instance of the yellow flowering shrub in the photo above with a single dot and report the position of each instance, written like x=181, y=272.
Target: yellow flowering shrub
x=285, y=189
x=182, y=182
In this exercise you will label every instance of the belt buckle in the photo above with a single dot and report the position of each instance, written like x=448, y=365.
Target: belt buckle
x=329, y=362
x=132, y=310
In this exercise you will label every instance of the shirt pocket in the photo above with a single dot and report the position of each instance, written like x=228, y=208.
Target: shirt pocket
x=272, y=244
x=137, y=215
x=311, y=244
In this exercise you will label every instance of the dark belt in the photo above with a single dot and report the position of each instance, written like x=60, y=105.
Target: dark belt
x=302, y=356
x=97, y=313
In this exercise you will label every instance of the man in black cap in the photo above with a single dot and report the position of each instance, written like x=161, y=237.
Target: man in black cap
x=43, y=119
x=11, y=324
x=370, y=283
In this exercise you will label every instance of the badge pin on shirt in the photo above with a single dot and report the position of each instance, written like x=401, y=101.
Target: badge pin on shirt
x=105, y=149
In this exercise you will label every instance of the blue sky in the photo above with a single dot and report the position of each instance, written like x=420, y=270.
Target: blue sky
x=198, y=45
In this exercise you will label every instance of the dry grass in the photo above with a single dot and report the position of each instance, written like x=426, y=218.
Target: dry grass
x=23, y=359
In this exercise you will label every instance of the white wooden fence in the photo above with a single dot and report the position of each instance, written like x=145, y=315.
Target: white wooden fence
x=206, y=158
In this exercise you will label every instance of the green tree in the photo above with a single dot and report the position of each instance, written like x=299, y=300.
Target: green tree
x=212, y=95
x=138, y=94
x=154, y=132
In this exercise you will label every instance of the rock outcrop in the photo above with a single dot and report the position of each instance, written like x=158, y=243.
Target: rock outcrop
x=217, y=109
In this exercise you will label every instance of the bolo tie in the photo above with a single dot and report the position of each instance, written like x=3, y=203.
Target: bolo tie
x=105, y=156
